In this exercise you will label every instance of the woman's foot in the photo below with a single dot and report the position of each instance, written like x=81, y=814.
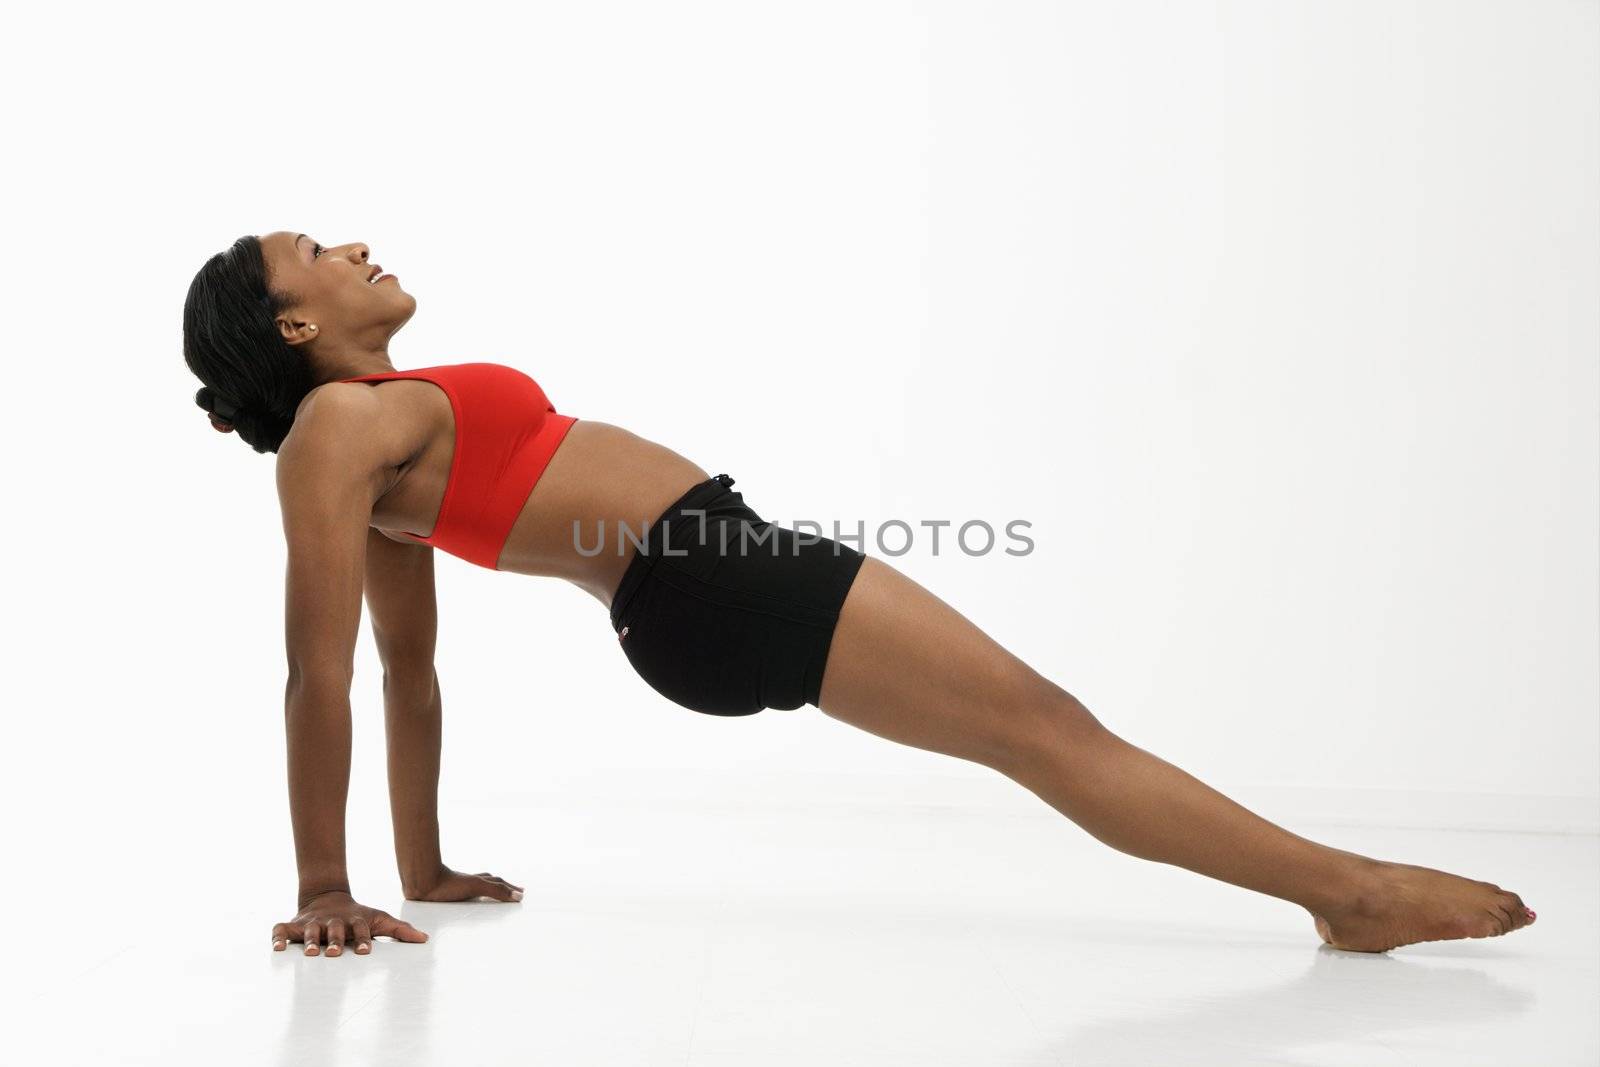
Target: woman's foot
x=1403, y=904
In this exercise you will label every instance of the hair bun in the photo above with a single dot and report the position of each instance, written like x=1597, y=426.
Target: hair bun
x=223, y=413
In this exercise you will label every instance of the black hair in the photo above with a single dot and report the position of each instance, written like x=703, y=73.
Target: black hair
x=232, y=344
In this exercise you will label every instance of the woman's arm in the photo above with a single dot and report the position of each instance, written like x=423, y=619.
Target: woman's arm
x=405, y=625
x=412, y=716
x=325, y=509
x=317, y=727
x=403, y=605
x=326, y=486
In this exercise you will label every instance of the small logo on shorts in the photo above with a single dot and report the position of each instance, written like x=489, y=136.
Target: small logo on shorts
x=622, y=634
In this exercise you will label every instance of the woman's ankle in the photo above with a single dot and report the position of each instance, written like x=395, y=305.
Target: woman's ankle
x=1347, y=883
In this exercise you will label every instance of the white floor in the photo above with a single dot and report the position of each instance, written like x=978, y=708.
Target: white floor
x=695, y=937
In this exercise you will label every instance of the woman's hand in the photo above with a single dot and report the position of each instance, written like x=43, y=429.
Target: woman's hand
x=447, y=885
x=332, y=917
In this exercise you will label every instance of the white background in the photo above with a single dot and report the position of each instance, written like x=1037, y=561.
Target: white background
x=1279, y=323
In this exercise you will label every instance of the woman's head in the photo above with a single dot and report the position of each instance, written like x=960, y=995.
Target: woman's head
x=272, y=317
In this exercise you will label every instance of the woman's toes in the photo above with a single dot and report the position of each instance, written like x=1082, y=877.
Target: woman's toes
x=1515, y=909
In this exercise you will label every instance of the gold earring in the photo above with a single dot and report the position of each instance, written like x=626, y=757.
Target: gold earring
x=313, y=326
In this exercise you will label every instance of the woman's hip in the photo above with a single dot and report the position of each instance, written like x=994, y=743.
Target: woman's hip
x=725, y=613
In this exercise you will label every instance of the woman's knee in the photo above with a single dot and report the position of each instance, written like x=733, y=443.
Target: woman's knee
x=1044, y=721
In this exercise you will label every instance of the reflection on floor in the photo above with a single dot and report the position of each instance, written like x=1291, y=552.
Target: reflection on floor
x=721, y=939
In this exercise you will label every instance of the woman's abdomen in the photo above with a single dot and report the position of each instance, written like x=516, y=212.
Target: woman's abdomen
x=600, y=477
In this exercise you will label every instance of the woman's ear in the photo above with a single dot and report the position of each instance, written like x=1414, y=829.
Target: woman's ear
x=295, y=333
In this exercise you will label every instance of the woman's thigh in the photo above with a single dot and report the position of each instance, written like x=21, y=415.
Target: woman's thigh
x=905, y=665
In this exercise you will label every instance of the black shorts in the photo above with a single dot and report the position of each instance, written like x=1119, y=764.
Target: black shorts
x=725, y=613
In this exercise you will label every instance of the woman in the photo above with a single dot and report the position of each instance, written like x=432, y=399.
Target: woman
x=715, y=608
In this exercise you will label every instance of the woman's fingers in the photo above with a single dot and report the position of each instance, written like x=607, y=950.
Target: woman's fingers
x=460, y=887
x=334, y=929
x=385, y=925
x=473, y=886
x=335, y=937
x=512, y=891
x=508, y=882
x=492, y=887
x=497, y=878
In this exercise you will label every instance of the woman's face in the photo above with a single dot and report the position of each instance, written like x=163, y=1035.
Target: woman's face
x=336, y=288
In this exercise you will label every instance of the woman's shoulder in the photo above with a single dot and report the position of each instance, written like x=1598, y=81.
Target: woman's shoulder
x=330, y=418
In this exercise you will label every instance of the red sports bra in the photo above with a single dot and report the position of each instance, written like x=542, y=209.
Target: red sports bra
x=506, y=432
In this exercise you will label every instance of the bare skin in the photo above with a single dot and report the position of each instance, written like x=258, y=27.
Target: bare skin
x=906, y=666
x=903, y=664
